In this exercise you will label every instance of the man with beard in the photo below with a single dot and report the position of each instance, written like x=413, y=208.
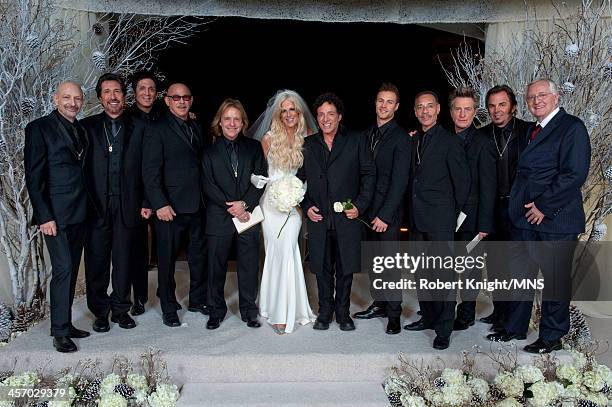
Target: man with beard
x=440, y=183
x=391, y=149
x=478, y=208
x=172, y=170
x=509, y=136
x=54, y=152
x=117, y=228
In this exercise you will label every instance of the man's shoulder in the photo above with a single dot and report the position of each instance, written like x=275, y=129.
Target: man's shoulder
x=250, y=142
x=91, y=120
x=45, y=120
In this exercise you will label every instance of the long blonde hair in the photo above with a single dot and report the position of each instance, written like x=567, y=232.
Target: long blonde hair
x=285, y=153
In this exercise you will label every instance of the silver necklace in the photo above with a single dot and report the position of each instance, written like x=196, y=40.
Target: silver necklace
x=108, y=142
x=501, y=153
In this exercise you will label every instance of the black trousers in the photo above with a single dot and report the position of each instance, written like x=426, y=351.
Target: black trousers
x=109, y=241
x=392, y=234
x=438, y=313
x=552, y=254
x=332, y=275
x=466, y=310
x=65, y=251
x=169, y=236
x=219, y=248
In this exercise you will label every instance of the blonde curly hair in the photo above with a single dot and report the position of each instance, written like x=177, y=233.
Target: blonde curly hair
x=285, y=153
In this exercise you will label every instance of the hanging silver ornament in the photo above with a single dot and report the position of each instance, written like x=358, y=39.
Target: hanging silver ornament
x=568, y=88
x=27, y=106
x=571, y=50
x=97, y=28
x=607, y=71
x=594, y=120
x=608, y=173
x=99, y=60
x=32, y=41
x=599, y=232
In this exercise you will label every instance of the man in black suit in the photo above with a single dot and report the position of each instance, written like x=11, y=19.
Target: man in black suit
x=55, y=149
x=144, y=85
x=391, y=148
x=480, y=154
x=227, y=169
x=116, y=228
x=337, y=166
x=172, y=164
x=440, y=182
x=509, y=136
x=547, y=215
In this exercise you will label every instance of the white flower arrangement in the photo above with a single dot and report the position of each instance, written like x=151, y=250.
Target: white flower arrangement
x=112, y=400
x=165, y=395
x=284, y=194
x=529, y=373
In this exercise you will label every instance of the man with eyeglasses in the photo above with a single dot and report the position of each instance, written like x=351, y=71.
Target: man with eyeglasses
x=54, y=153
x=547, y=215
x=172, y=177
x=117, y=227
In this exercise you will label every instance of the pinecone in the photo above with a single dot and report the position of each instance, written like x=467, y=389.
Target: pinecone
x=27, y=106
x=90, y=391
x=607, y=71
x=580, y=332
x=496, y=394
x=606, y=389
x=24, y=318
x=33, y=41
x=586, y=403
x=97, y=28
x=4, y=375
x=44, y=403
x=99, y=60
x=6, y=324
x=394, y=399
x=608, y=173
x=125, y=390
x=439, y=382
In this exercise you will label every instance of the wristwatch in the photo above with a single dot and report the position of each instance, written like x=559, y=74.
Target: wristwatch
x=244, y=205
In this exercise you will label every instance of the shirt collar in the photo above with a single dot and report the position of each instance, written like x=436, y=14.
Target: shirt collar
x=548, y=118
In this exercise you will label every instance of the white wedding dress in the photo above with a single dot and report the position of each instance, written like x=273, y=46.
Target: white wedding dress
x=282, y=296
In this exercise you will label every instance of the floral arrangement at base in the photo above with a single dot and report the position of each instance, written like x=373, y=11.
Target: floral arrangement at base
x=547, y=382
x=85, y=385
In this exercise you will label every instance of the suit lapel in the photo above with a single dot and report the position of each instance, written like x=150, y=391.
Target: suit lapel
x=338, y=146
x=64, y=133
x=384, y=138
x=546, y=131
x=319, y=152
x=175, y=127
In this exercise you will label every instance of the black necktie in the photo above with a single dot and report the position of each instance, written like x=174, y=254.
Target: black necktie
x=233, y=157
x=115, y=129
x=375, y=138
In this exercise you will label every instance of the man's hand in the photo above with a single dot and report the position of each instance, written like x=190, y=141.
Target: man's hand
x=378, y=225
x=166, y=213
x=49, y=228
x=244, y=217
x=352, y=213
x=483, y=234
x=235, y=208
x=313, y=214
x=146, y=212
x=533, y=215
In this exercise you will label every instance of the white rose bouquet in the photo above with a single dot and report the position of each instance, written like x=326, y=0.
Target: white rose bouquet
x=284, y=194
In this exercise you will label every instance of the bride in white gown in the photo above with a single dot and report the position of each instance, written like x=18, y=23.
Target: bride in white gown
x=283, y=300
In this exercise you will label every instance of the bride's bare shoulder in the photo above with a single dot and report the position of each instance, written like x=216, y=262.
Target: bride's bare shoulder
x=265, y=143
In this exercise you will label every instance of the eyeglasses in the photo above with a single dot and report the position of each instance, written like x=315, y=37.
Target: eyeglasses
x=533, y=98
x=176, y=98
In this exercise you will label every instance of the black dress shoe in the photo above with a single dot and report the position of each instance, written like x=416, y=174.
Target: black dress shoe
x=171, y=319
x=253, y=323
x=441, y=342
x=201, y=308
x=213, y=323
x=371, y=312
x=417, y=326
x=77, y=333
x=459, y=325
x=320, y=325
x=124, y=320
x=542, y=346
x=393, y=326
x=505, y=336
x=490, y=319
x=347, y=325
x=64, y=344
x=497, y=328
x=101, y=324
x=138, y=308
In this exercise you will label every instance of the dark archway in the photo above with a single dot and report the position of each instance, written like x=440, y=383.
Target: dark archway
x=250, y=59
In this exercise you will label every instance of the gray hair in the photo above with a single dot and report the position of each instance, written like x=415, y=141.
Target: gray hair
x=551, y=84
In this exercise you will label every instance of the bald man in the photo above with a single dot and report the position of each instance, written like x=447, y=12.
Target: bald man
x=54, y=154
x=172, y=159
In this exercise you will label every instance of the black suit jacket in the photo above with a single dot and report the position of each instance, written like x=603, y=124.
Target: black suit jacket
x=221, y=186
x=440, y=183
x=482, y=162
x=348, y=173
x=54, y=173
x=392, y=157
x=131, y=184
x=171, y=166
x=551, y=171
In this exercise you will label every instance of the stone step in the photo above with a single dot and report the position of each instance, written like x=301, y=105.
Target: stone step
x=286, y=394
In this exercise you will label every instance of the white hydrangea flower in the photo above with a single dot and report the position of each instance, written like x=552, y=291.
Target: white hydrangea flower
x=434, y=397
x=140, y=396
x=508, y=402
x=7, y=403
x=572, y=392
x=480, y=388
x=593, y=381
x=569, y=373
x=529, y=373
x=544, y=394
x=112, y=400
x=285, y=193
x=65, y=380
x=409, y=400
x=138, y=382
x=579, y=360
x=453, y=377
x=107, y=386
x=456, y=395
x=598, y=398
x=509, y=384
x=26, y=379
x=60, y=403
x=165, y=395
x=605, y=373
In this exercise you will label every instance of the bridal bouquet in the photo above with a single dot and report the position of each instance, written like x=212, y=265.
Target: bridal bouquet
x=284, y=194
